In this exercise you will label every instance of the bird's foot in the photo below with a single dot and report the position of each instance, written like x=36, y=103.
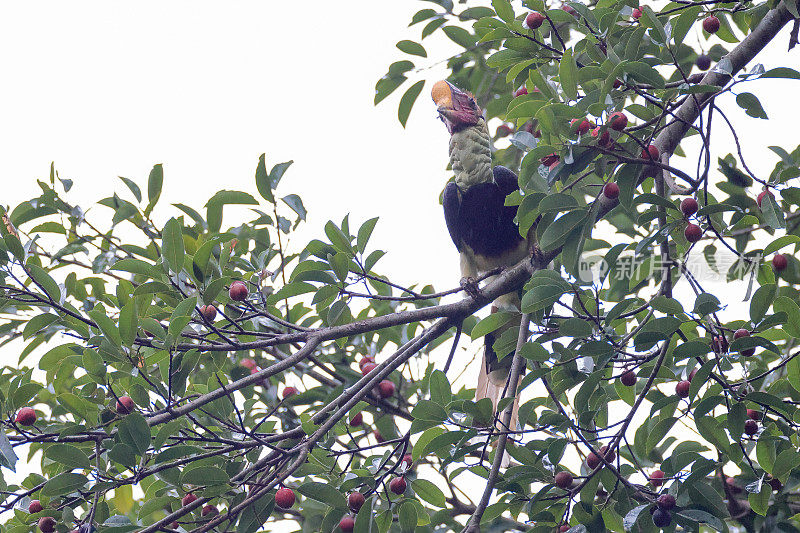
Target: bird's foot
x=472, y=288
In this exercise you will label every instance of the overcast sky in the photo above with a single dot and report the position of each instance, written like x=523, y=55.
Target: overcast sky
x=108, y=89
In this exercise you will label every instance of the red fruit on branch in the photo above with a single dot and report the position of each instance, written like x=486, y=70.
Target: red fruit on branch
x=47, y=524
x=693, y=233
x=611, y=190
x=386, y=388
x=779, y=263
x=288, y=392
x=657, y=478
x=775, y=483
x=521, y=91
x=583, y=127
x=752, y=414
x=534, y=20
x=347, y=524
x=284, y=498
x=711, y=24
x=570, y=10
x=682, y=389
x=661, y=518
x=738, y=334
x=209, y=312
x=703, y=62
x=504, y=130
x=209, y=511
x=719, y=344
x=689, y=207
x=26, y=416
x=250, y=364
x=355, y=500
x=750, y=427
x=563, y=480
x=665, y=502
x=378, y=437
x=628, y=378
x=593, y=460
x=637, y=13
x=367, y=368
x=189, y=498
x=617, y=84
x=398, y=485
x=35, y=507
x=617, y=121
x=651, y=152
x=238, y=291
x=550, y=160
x=692, y=374
x=125, y=405
x=564, y=528
x=357, y=420
x=408, y=460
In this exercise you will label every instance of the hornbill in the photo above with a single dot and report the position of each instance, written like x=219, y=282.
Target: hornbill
x=481, y=225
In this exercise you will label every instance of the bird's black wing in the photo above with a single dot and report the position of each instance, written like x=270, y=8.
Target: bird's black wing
x=507, y=182
x=451, y=201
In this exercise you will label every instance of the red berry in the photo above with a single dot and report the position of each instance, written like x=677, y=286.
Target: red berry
x=775, y=483
x=209, y=312
x=398, y=485
x=618, y=121
x=592, y=460
x=288, y=392
x=637, y=13
x=583, y=127
x=657, y=478
x=534, y=20
x=189, y=498
x=779, y=262
x=550, y=160
x=610, y=455
x=504, y=130
x=628, y=378
x=731, y=482
x=739, y=333
x=563, y=480
x=26, y=416
x=250, y=364
x=703, y=62
x=752, y=414
x=367, y=368
x=378, y=437
x=357, y=420
x=521, y=91
x=611, y=190
x=617, y=84
x=666, y=502
x=750, y=427
x=284, y=498
x=173, y=525
x=355, y=500
x=651, y=152
x=366, y=359
x=386, y=388
x=125, y=405
x=711, y=24
x=693, y=233
x=682, y=389
x=35, y=507
x=209, y=510
x=408, y=460
x=719, y=344
x=692, y=374
x=661, y=518
x=570, y=10
x=47, y=524
x=238, y=291
x=761, y=196
x=347, y=524
x=689, y=206
x=564, y=528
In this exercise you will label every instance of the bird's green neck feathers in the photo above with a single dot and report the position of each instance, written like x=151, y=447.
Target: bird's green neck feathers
x=471, y=155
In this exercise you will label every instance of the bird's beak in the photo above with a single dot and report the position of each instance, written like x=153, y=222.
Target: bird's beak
x=456, y=108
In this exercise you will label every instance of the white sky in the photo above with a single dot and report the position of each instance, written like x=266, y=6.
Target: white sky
x=108, y=89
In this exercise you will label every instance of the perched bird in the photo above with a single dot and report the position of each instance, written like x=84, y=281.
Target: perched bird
x=481, y=225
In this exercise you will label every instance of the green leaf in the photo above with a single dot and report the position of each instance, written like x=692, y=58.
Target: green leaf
x=63, y=484
x=154, y=184
x=172, y=245
x=460, y=36
x=68, y=455
x=137, y=192
x=696, y=515
x=364, y=233
x=128, y=322
x=786, y=461
x=255, y=514
x=296, y=205
x=412, y=48
x=491, y=323
x=262, y=180
x=407, y=517
x=706, y=303
x=135, y=266
x=48, y=284
x=782, y=72
x=323, y=492
x=106, y=325
x=761, y=302
x=759, y=501
x=773, y=215
x=7, y=456
x=134, y=431
x=407, y=101
x=790, y=307
x=752, y=106
x=568, y=74
x=503, y=9
x=429, y=492
x=556, y=233
x=205, y=476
